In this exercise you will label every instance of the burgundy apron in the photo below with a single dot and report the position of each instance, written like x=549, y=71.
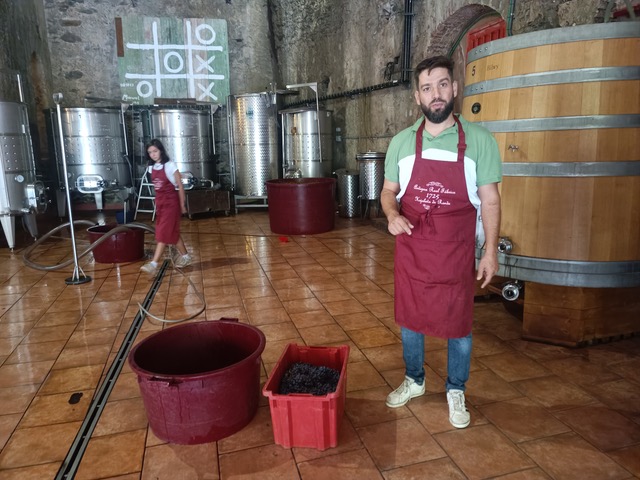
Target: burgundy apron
x=168, y=211
x=435, y=265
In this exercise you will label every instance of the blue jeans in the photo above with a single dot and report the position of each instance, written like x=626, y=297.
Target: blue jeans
x=458, y=359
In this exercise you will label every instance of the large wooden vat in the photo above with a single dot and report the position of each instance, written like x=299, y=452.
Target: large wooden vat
x=564, y=106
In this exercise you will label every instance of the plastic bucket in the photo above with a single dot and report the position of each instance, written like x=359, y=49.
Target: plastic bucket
x=301, y=206
x=121, y=247
x=200, y=382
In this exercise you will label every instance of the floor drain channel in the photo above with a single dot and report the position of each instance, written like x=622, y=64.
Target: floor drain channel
x=71, y=462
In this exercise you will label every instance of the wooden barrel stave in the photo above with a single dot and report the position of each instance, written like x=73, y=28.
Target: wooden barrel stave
x=579, y=219
x=568, y=100
x=592, y=145
x=616, y=52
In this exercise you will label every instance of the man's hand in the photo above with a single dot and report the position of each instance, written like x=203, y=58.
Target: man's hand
x=490, y=209
x=399, y=224
x=487, y=267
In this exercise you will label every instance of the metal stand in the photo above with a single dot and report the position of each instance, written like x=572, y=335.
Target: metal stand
x=372, y=208
x=239, y=205
x=78, y=276
x=207, y=200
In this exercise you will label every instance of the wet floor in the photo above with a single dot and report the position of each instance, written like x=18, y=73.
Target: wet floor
x=538, y=411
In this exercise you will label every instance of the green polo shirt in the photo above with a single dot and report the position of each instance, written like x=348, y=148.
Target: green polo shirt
x=482, y=164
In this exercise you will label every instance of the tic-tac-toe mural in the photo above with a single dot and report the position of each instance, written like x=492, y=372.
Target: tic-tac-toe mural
x=172, y=58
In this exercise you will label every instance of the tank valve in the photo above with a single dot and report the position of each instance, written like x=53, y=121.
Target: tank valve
x=511, y=290
x=293, y=172
x=504, y=245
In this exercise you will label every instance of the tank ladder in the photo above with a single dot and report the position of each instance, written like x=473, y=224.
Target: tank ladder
x=147, y=194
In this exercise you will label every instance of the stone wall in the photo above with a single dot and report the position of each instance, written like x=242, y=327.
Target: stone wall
x=83, y=43
x=345, y=46
x=24, y=50
x=69, y=46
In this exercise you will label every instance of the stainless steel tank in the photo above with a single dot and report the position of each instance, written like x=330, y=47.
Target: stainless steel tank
x=136, y=142
x=20, y=192
x=371, y=167
x=221, y=151
x=94, y=148
x=187, y=137
x=253, y=141
x=348, y=193
x=307, y=143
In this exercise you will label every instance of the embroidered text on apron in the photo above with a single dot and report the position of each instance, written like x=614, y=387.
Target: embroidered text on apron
x=168, y=209
x=435, y=265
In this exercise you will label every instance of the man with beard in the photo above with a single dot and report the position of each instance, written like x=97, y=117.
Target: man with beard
x=439, y=200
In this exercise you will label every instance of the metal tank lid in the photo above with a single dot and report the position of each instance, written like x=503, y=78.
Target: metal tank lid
x=249, y=94
x=179, y=110
x=304, y=109
x=370, y=155
x=253, y=94
x=90, y=109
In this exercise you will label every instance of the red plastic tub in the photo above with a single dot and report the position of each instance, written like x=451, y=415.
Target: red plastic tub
x=304, y=420
x=121, y=247
x=200, y=382
x=301, y=206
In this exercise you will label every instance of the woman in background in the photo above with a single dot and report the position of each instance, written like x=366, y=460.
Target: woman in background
x=170, y=205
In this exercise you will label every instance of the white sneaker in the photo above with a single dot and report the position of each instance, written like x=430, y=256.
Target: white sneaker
x=458, y=413
x=149, y=268
x=405, y=392
x=182, y=261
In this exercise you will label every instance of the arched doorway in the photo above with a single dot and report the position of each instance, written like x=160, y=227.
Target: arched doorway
x=451, y=38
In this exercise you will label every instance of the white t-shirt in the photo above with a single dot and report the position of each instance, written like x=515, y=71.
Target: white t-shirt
x=169, y=169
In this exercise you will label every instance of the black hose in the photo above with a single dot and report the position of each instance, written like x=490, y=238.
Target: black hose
x=346, y=94
x=510, y=15
x=406, y=42
x=121, y=228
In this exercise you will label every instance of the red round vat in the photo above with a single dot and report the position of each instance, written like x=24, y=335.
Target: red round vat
x=200, y=382
x=121, y=247
x=301, y=206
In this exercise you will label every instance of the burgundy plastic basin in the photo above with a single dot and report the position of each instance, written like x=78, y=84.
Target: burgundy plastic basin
x=121, y=247
x=200, y=382
x=301, y=206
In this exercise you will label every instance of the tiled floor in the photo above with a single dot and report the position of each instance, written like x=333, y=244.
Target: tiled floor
x=538, y=411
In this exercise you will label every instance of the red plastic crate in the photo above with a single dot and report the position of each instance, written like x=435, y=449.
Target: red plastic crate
x=305, y=420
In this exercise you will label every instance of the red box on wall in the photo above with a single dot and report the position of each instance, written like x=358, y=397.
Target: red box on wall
x=305, y=420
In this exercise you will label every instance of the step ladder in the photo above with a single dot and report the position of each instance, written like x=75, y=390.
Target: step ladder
x=146, y=194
